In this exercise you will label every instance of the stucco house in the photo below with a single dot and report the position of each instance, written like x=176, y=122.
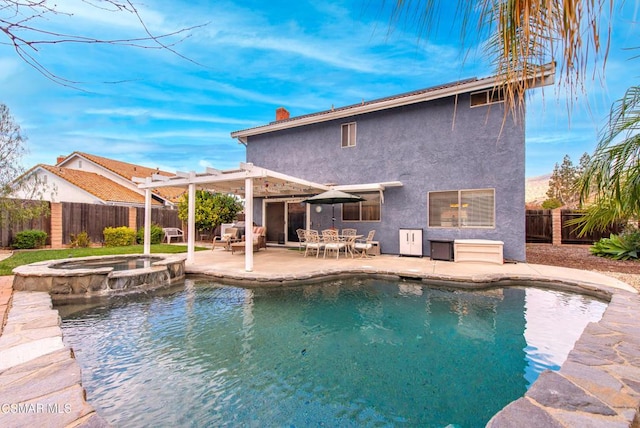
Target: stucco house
x=444, y=162
x=86, y=178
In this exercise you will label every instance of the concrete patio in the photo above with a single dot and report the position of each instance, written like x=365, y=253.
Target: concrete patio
x=277, y=265
x=598, y=385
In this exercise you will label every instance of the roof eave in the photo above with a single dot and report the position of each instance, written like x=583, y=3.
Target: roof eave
x=544, y=77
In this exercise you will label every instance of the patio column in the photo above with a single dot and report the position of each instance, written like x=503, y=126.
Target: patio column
x=191, y=224
x=147, y=221
x=248, y=224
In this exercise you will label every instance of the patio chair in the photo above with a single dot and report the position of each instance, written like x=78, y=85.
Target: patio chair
x=365, y=245
x=332, y=242
x=229, y=236
x=313, y=242
x=172, y=232
x=349, y=232
x=260, y=235
x=259, y=240
x=302, y=239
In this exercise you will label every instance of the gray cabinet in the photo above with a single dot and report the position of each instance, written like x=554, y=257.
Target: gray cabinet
x=411, y=242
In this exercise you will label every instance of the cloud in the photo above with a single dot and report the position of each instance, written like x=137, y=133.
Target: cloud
x=105, y=16
x=153, y=114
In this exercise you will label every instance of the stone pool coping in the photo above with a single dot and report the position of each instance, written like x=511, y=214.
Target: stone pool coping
x=597, y=386
x=40, y=380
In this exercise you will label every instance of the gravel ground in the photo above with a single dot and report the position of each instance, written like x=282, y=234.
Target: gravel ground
x=579, y=257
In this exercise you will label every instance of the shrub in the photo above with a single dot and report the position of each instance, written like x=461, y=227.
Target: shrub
x=81, y=240
x=624, y=246
x=551, y=204
x=157, y=234
x=119, y=236
x=28, y=239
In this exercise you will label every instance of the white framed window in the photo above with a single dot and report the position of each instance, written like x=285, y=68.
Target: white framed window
x=462, y=208
x=490, y=96
x=367, y=210
x=348, y=135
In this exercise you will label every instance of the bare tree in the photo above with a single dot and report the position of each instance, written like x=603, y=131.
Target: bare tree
x=12, y=177
x=22, y=23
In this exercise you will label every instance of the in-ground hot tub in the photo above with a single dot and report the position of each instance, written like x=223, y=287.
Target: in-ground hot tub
x=85, y=277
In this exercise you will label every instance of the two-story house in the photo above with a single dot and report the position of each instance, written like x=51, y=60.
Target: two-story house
x=447, y=161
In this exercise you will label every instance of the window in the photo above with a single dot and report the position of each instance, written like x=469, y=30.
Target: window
x=349, y=134
x=367, y=210
x=462, y=208
x=490, y=96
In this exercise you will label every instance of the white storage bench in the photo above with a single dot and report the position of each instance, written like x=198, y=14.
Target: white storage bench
x=478, y=250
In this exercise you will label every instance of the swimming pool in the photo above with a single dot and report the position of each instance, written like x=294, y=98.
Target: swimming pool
x=345, y=353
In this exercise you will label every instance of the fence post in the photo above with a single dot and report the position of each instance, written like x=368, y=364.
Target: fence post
x=556, y=221
x=133, y=218
x=56, y=225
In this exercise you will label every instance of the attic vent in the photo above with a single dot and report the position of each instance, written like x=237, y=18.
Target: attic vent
x=79, y=164
x=490, y=96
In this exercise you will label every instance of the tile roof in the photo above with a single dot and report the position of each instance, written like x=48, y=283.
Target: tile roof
x=97, y=185
x=129, y=170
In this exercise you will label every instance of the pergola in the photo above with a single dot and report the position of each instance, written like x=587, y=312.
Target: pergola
x=248, y=181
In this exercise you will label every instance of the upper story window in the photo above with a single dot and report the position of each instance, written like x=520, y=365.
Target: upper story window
x=367, y=210
x=348, y=134
x=462, y=208
x=490, y=96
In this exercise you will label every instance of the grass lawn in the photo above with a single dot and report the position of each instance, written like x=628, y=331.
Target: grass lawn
x=25, y=257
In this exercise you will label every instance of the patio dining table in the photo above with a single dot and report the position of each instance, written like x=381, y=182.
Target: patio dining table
x=349, y=240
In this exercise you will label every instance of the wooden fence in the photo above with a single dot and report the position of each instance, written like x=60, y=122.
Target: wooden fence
x=9, y=228
x=67, y=219
x=162, y=216
x=540, y=228
x=570, y=234
x=91, y=218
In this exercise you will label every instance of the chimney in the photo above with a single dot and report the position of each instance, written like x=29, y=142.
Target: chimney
x=282, y=114
x=60, y=159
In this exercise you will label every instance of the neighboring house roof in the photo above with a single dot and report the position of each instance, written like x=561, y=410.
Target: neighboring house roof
x=422, y=95
x=129, y=170
x=97, y=185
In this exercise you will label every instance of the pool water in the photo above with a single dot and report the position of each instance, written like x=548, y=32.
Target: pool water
x=117, y=263
x=347, y=353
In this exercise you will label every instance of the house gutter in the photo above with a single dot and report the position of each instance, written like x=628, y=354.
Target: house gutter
x=543, y=78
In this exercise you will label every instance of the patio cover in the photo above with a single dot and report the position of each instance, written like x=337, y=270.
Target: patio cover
x=248, y=181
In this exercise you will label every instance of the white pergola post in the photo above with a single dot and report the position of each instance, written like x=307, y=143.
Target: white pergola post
x=248, y=224
x=191, y=224
x=147, y=221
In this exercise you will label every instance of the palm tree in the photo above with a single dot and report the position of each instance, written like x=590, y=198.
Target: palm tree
x=523, y=36
x=612, y=178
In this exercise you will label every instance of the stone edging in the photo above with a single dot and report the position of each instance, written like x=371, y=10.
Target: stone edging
x=40, y=380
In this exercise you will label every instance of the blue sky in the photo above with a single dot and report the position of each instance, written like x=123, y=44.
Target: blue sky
x=154, y=108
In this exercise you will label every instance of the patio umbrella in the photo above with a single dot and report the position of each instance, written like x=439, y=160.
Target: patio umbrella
x=333, y=197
